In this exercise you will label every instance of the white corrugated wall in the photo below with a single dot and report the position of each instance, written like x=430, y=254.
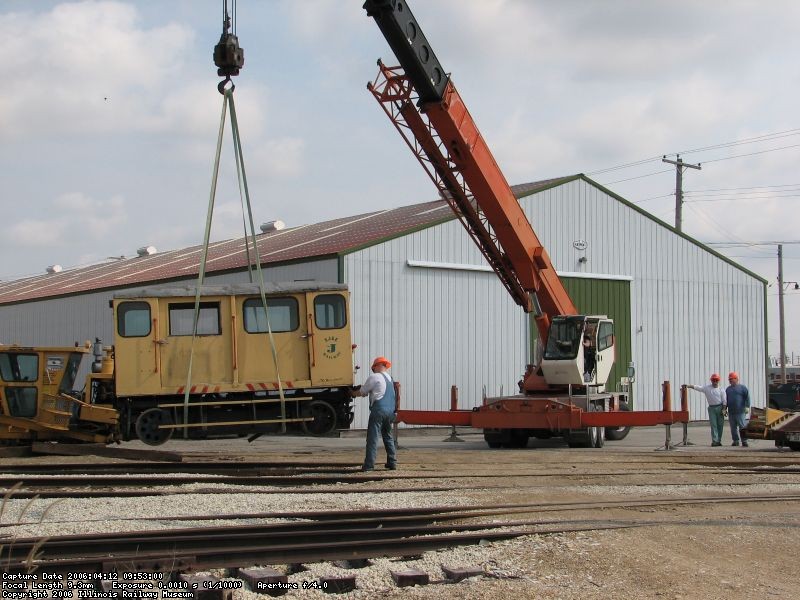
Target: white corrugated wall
x=692, y=312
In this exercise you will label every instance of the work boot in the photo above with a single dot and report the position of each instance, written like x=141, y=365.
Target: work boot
x=391, y=466
x=735, y=443
x=745, y=444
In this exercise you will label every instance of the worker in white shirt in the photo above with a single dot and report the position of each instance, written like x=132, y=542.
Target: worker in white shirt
x=717, y=403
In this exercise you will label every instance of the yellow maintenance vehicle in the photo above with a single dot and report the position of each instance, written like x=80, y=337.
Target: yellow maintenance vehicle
x=771, y=424
x=137, y=387
x=37, y=401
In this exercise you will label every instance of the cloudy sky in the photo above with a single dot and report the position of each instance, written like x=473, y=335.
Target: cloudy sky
x=109, y=114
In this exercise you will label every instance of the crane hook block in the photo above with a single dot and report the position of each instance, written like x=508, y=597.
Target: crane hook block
x=228, y=56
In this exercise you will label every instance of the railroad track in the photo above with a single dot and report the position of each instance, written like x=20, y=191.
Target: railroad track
x=253, y=468
x=139, y=480
x=289, y=468
x=471, y=511
x=326, y=535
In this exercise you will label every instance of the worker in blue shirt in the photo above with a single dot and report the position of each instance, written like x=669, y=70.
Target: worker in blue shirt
x=738, y=401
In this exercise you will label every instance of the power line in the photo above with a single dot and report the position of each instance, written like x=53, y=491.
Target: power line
x=748, y=198
x=708, y=220
x=752, y=140
x=768, y=243
x=760, y=138
x=743, y=192
x=638, y=177
x=652, y=198
x=625, y=166
x=755, y=187
x=751, y=153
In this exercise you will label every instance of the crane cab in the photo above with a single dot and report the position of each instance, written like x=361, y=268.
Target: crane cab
x=579, y=351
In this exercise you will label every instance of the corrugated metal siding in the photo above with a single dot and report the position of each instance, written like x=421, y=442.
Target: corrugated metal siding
x=439, y=327
x=691, y=313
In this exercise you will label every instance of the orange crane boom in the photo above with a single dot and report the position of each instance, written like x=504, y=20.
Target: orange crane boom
x=445, y=139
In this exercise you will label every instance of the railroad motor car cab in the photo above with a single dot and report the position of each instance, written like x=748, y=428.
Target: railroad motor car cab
x=234, y=383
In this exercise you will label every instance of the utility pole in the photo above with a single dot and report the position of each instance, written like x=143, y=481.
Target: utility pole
x=679, y=167
x=780, y=314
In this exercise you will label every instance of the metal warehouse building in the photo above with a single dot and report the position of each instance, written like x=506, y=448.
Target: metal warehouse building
x=423, y=295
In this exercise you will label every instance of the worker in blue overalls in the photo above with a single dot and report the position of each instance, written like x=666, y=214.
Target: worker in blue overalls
x=382, y=411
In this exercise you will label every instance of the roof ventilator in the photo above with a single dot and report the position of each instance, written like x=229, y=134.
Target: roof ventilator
x=272, y=226
x=54, y=269
x=146, y=251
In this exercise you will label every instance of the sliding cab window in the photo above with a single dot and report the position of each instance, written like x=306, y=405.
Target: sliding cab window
x=181, y=319
x=330, y=311
x=284, y=315
x=19, y=367
x=133, y=319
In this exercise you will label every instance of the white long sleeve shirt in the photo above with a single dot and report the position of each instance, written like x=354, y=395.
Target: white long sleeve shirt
x=375, y=387
x=714, y=395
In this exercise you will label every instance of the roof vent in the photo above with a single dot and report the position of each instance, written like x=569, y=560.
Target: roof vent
x=54, y=269
x=146, y=250
x=272, y=226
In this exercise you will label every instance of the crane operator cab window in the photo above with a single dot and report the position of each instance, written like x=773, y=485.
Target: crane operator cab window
x=20, y=368
x=605, y=337
x=564, y=339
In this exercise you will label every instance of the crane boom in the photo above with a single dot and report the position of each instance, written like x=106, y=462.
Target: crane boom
x=444, y=137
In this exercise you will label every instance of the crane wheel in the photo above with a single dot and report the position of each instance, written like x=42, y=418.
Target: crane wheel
x=579, y=438
x=616, y=434
x=323, y=418
x=597, y=435
x=519, y=438
x=147, y=426
x=588, y=437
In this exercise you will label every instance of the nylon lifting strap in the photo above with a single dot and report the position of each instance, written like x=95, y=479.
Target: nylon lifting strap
x=242, y=177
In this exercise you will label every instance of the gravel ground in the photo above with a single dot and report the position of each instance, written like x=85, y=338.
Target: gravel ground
x=695, y=551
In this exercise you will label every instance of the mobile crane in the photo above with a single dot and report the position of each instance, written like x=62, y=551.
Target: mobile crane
x=565, y=393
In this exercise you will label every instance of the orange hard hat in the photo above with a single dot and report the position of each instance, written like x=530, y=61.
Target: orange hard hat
x=382, y=360
x=733, y=375
x=715, y=377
